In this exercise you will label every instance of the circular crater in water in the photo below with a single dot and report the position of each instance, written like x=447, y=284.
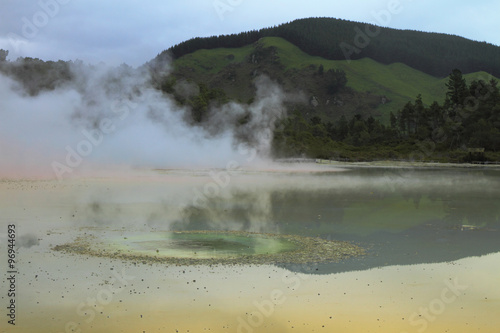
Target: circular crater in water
x=210, y=247
x=201, y=244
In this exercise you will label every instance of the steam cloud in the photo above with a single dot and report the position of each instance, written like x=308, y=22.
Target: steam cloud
x=112, y=117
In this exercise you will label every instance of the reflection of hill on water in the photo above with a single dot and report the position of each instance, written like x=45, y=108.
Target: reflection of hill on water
x=406, y=216
x=433, y=243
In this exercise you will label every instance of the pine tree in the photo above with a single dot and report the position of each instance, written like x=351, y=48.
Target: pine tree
x=457, y=89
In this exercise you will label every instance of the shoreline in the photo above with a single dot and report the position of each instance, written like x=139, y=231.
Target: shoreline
x=277, y=166
x=409, y=164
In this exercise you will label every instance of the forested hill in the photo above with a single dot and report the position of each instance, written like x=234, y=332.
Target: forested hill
x=335, y=39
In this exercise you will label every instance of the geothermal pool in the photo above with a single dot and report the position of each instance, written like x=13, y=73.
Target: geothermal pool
x=205, y=247
x=430, y=238
x=201, y=245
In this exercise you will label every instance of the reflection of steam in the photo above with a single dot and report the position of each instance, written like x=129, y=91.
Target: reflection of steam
x=236, y=210
x=27, y=240
x=271, y=203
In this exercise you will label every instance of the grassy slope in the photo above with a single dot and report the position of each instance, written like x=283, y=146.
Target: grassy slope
x=397, y=81
x=213, y=61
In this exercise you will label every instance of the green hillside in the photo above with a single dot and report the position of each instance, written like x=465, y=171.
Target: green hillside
x=436, y=54
x=351, y=110
x=397, y=82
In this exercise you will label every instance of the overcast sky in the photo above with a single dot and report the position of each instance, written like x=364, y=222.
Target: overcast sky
x=134, y=32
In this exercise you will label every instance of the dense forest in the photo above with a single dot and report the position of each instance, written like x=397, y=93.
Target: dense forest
x=432, y=53
x=468, y=118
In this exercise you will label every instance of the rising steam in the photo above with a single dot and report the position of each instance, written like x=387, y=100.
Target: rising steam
x=113, y=118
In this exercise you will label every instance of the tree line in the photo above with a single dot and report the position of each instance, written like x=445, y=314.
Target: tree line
x=469, y=117
x=34, y=74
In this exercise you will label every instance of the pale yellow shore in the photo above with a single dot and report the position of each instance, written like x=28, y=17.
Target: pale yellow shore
x=57, y=292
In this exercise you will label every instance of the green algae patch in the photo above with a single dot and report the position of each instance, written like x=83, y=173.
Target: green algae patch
x=212, y=247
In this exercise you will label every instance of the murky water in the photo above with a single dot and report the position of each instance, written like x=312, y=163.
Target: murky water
x=403, y=216
x=432, y=264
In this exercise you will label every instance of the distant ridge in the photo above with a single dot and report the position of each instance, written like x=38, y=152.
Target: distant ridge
x=336, y=39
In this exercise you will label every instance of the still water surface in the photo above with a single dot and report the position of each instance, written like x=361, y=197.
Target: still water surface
x=432, y=264
x=403, y=216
